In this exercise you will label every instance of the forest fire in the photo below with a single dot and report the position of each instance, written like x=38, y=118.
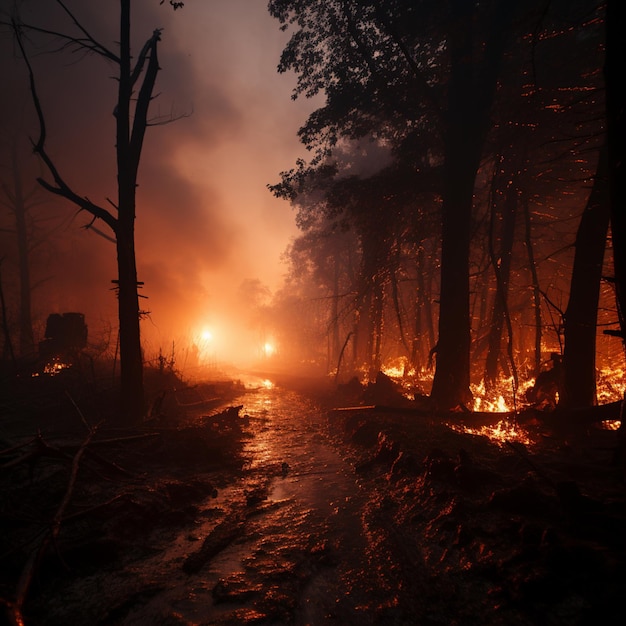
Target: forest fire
x=438, y=299
x=503, y=397
x=611, y=384
x=397, y=368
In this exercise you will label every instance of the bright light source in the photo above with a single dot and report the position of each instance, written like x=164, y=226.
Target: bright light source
x=269, y=349
x=206, y=345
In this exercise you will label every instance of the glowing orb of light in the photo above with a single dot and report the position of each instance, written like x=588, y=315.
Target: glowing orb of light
x=269, y=349
x=205, y=344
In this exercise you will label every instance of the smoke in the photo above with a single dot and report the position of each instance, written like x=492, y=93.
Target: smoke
x=224, y=127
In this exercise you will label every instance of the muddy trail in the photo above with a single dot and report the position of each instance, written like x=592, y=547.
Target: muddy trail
x=280, y=544
x=279, y=511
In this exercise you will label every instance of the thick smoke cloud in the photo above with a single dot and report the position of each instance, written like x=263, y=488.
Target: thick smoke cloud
x=205, y=220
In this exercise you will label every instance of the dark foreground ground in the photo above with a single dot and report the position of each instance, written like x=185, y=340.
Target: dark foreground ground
x=282, y=511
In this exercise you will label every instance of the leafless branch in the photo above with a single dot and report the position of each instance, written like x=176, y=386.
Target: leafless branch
x=96, y=230
x=141, y=59
x=61, y=188
x=87, y=43
x=143, y=100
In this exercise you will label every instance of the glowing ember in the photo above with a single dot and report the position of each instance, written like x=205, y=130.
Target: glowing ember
x=54, y=367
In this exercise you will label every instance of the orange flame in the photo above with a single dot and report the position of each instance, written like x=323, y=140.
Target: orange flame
x=500, y=433
x=54, y=367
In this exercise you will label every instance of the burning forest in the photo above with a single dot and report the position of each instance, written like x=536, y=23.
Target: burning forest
x=312, y=312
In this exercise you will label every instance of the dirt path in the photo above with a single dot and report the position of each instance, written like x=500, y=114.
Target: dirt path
x=294, y=550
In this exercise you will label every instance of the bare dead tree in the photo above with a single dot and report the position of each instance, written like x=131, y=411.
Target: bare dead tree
x=136, y=80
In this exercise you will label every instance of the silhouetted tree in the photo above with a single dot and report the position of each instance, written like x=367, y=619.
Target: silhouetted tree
x=18, y=201
x=580, y=324
x=616, y=137
x=136, y=80
x=506, y=200
x=615, y=63
x=446, y=87
x=386, y=69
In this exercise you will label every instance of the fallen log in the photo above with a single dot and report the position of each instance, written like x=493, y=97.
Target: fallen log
x=580, y=416
x=465, y=418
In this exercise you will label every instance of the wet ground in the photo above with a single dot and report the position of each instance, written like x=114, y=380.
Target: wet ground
x=308, y=516
x=291, y=522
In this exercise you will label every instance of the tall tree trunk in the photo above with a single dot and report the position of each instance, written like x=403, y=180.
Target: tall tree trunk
x=356, y=340
x=502, y=268
x=375, y=324
x=615, y=62
x=579, y=355
x=417, y=344
x=536, y=290
x=26, y=339
x=462, y=154
x=417, y=353
x=7, y=348
x=471, y=89
x=424, y=331
x=129, y=144
x=616, y=139
x=335, y=345
x=131, y=363
x=452, y=376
